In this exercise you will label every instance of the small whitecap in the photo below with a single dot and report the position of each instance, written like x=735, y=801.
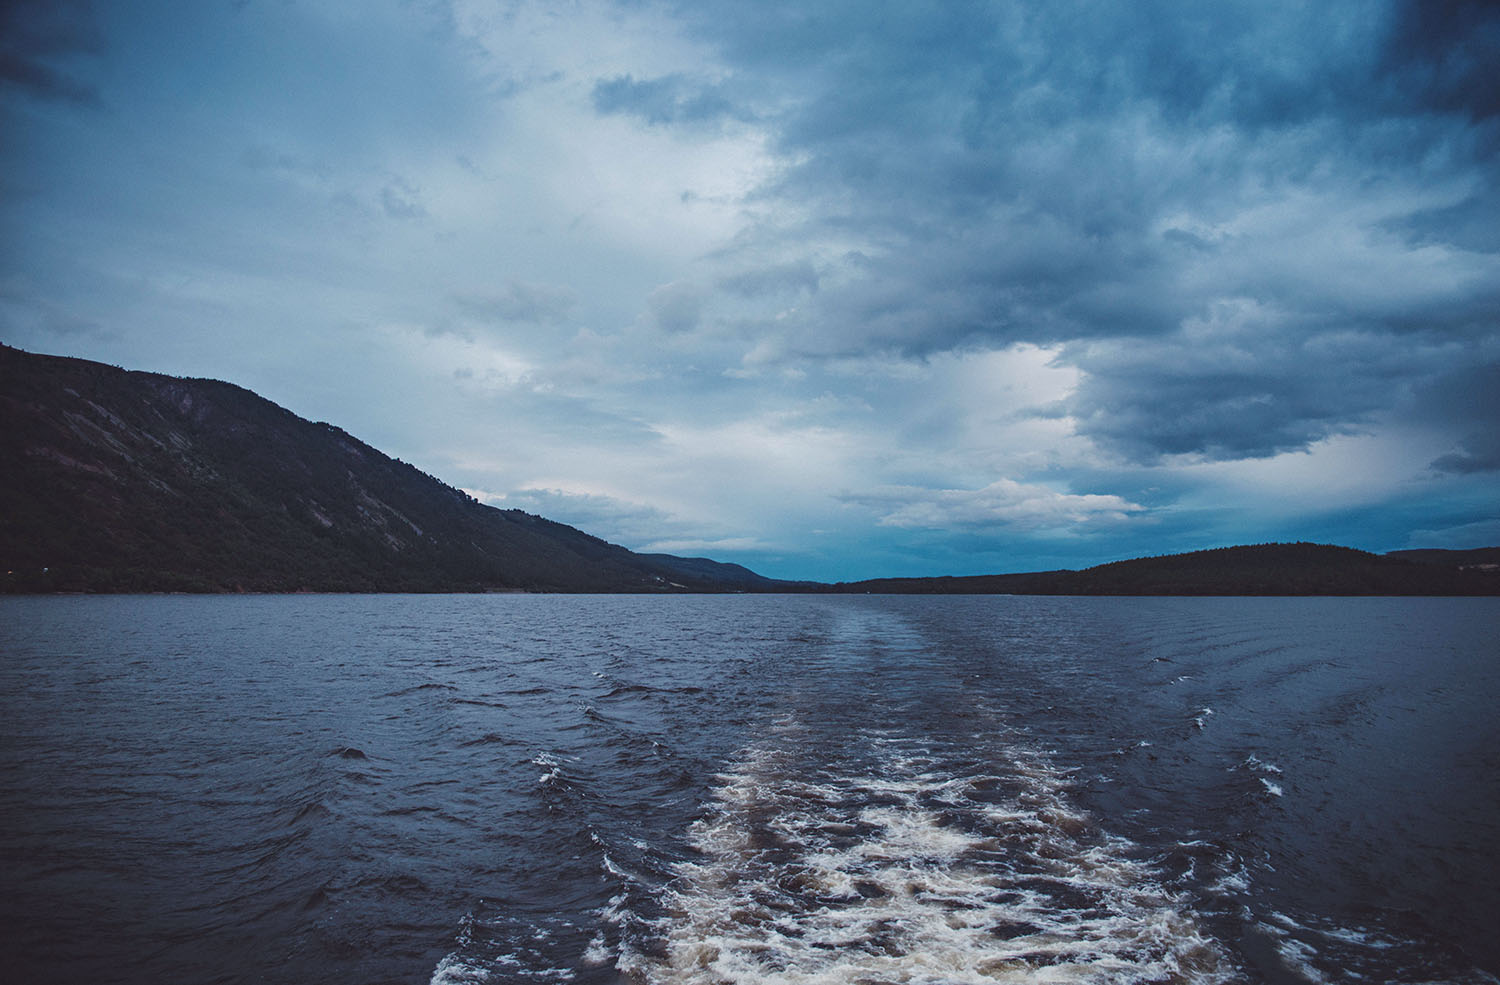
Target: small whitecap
x=1260, y=765
x=1298, y=955
x=597, y=953
x=453, y=970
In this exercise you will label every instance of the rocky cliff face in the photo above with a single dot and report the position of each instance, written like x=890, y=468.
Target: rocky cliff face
x=128, y=481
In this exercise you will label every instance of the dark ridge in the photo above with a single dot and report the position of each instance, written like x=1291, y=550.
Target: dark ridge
x=1478, y=558
x=118, y=481
x=735, y=576
x=1260, y=569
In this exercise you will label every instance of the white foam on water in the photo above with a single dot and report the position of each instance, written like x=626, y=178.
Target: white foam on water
x=1298, y=957
x=597, y=953
x=1254, y=762
x=1299, y=944
x=910, y=875
x=551, y=765
x=1231, y=883
x=453, y=970
x=1266, y=770
x=620, y=871
x=1357, y=936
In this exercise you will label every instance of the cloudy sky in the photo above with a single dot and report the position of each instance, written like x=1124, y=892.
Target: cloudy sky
x=833, y=289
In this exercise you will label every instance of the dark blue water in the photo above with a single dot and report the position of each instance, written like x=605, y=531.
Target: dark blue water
x=505, y=789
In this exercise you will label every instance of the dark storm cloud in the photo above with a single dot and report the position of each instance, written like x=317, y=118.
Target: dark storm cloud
x=40, y=40
x=1062, y=172
x=1469, y=224
x=1469, y=400
x=1478, y=451
x=1031, y=279
x=1444, y=55
x=1146, y=413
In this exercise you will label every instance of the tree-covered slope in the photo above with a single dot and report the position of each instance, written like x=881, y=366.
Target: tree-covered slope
x=1261, y=569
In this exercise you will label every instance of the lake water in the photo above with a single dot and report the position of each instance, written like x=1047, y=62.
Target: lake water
x=463, y=789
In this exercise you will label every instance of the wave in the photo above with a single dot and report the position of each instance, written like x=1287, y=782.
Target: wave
x=416, y=688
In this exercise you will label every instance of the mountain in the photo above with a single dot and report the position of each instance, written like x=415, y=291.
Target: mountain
x=118, y=481
x=1261, y=569
x=129, y=481
x=734, y=577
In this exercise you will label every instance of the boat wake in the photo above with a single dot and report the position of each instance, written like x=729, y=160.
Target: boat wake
x=909, y=870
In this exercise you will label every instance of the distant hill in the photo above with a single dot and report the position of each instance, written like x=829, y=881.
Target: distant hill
x=1480, y=558
x=127, y=481
x=734, y=577
x=1262, y=569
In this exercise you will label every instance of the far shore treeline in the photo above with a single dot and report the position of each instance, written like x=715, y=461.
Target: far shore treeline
x=118, y=481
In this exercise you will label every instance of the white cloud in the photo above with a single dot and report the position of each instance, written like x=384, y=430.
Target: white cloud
x=1340, y=472
x=701, y=546
x=1005, y=504
x=654, y=191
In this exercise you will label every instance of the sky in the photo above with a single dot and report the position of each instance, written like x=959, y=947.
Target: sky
x=831, y=289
